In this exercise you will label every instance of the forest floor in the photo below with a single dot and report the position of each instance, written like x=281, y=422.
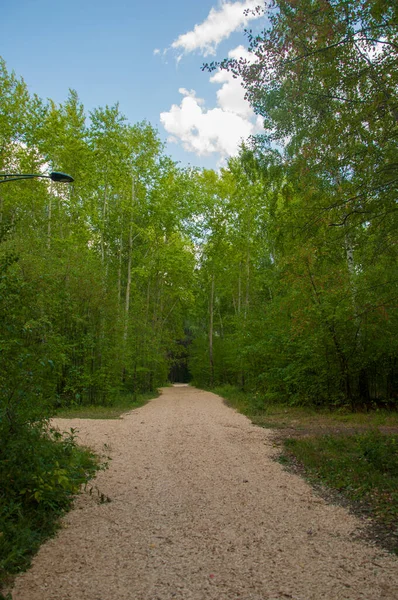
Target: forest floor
x=194, y=506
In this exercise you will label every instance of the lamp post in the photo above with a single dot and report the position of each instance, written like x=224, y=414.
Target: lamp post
x=54, y=176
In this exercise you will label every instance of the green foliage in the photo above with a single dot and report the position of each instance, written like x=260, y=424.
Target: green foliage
x=40, y=472
x=301, y=242
x=86, y=309
x=323, y=76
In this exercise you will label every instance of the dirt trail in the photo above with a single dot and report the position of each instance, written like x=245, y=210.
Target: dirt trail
x=200, y=511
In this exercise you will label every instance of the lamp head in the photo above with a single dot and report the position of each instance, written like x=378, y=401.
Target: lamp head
x=61, y=177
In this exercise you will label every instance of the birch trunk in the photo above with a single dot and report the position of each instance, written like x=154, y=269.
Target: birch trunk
x=211, y=326
x=49, y=222
x=129, y=261
x=104, y=209
x=50, y=206
x=119, y=273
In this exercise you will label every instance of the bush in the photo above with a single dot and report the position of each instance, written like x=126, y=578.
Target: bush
x=40, y=472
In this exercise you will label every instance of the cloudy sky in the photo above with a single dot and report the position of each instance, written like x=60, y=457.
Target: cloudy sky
x=145, y=55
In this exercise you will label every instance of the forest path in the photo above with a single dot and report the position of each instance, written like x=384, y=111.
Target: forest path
x=200, y=511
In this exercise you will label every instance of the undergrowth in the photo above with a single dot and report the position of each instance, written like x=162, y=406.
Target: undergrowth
x=120, y=404
x=363, y=466
x=40, y=472
x=281, y=415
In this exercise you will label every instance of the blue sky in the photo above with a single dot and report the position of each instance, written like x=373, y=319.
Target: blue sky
x=145, y=55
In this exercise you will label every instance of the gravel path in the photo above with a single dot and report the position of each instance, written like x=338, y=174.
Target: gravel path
x=200, y=511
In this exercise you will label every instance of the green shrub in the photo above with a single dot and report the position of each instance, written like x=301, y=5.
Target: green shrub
x=40, y=472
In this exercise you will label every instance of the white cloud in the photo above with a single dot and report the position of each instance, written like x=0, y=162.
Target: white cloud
x=231, y=96
x=218, y=25
x=217, y=130
x=156, y=51
x=203, y=131
x=191, y=94
x=259, y=124
x=242, y=52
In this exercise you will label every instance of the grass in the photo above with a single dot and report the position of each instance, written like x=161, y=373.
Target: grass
x=354, y=454
x=363, y=466
x=121, y=404
x=304, y=418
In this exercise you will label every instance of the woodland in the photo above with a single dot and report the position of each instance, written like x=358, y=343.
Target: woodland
x=276, y=275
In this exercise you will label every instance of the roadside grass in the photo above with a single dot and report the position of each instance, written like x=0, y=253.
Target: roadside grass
x=355, y=455
x=363, y=466
x=304, y=418
x=44, y=472
x=122, y=403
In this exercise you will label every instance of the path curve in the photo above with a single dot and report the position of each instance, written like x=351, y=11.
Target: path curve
x=201, y=511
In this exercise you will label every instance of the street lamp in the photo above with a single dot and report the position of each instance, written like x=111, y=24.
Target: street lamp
x=54, y=176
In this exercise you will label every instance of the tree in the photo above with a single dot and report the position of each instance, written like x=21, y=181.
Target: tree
x=323, y=76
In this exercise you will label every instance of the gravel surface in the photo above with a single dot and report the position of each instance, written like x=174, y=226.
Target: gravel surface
x=200, y=511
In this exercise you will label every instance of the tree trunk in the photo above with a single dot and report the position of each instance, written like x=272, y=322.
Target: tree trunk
x=49, y=220
x=362, y=390
x=128, y=286
x=119, y=273
x=240, y=288
x=211, y=326
x=104, y=208
x=129, y=261
x=247, y=294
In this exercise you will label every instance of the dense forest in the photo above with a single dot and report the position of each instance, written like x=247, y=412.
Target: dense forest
x=277, y=274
